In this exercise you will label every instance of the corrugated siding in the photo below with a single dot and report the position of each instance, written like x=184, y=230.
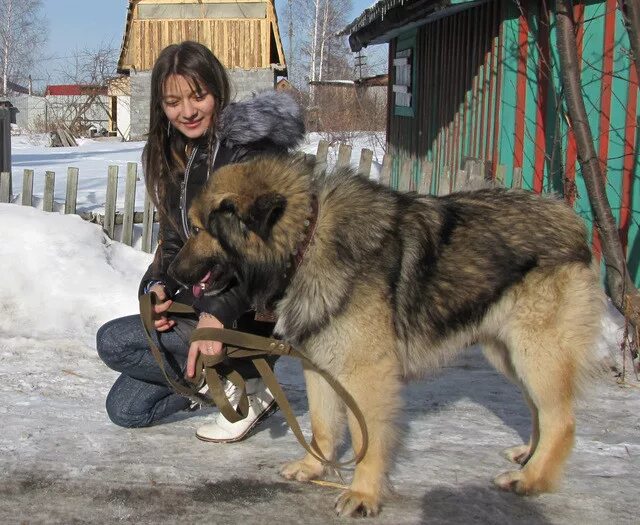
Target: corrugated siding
x=539, y=139
x=489, y=87
x=457, y=84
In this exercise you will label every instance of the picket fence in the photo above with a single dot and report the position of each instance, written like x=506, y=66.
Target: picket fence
x=403, y=174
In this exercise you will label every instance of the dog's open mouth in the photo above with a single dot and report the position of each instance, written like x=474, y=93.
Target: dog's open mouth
x=213, y=283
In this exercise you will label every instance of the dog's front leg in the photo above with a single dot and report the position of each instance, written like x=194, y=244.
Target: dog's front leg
x=327, y=423
x=375, y=387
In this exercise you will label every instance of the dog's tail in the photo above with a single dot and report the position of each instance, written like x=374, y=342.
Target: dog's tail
x=585, y=311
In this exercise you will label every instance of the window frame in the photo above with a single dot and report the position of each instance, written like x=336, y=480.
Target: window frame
x=406, y=41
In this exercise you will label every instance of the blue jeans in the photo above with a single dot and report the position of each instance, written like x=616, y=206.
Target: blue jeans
x=141, y=396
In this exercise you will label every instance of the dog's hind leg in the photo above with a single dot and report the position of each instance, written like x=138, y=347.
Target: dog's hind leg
x=521, y=453
x=553, y=398
x=498, y=355
x=327, y=424
x=550, y=338
x=375, y=386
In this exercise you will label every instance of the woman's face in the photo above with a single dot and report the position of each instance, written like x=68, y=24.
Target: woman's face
x=188, y=111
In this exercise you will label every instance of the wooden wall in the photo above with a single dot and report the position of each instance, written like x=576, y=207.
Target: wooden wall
x=246, y=43
x=149, y=37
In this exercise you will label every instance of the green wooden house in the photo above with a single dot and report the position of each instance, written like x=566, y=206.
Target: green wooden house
x=480, y=80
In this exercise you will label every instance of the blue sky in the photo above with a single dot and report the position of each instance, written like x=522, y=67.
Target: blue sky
x=85, y=24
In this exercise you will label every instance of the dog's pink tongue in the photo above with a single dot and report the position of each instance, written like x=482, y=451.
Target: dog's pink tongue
x=197, y=289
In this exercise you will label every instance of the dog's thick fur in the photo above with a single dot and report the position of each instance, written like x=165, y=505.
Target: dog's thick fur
x=392, y=284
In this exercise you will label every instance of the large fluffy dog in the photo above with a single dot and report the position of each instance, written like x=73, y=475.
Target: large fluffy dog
x=391, y=284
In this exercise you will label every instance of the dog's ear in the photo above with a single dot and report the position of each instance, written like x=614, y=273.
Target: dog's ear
x=264, y=212
x=224, y=221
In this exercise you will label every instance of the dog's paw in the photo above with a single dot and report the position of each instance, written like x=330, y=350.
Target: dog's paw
x=521, y=483
x=302, y=470
x=519, y=454
x=351, y=503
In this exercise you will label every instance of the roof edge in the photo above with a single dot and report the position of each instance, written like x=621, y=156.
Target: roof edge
x=389, y=18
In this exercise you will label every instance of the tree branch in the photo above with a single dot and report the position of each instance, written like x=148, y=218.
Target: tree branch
x=621, y=289
x=631, y=13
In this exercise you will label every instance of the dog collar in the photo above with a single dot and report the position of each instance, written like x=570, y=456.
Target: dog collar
x=297, y=255
x=306, y=237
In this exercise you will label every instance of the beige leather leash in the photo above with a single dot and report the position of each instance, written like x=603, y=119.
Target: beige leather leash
x=245, y=345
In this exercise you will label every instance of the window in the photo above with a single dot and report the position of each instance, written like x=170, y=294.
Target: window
x=404, y=91
x=402, y=85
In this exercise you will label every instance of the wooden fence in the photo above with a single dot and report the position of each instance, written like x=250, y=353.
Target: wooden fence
x=402, y=174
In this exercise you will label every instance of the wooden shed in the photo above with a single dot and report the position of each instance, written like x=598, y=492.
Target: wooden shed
x=243, y=34
x=480, y=79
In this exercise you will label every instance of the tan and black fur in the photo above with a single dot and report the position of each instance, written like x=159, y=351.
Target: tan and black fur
x=393, y=284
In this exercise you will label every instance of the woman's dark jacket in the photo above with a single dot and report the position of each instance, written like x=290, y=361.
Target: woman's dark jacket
x=268, y=123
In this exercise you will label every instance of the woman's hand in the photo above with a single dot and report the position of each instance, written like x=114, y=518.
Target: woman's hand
x=161, y=322
x=203, y=347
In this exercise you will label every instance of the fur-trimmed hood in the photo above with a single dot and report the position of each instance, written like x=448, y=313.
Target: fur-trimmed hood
x=271, y=116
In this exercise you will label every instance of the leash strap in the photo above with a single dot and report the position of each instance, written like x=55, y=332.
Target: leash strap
x=245, y=345
x=146, y=313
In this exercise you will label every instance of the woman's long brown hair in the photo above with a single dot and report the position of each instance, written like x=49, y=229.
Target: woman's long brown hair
x=164, y=157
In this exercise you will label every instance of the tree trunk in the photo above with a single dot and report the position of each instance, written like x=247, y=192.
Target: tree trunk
x=290, y=31
x=621, y=288
x=314, y=43
x=323, y=37
x=7, y=50
x=631, y=14
x=5, y=68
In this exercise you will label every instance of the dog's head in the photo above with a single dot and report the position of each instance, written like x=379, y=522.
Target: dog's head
x=245, y=224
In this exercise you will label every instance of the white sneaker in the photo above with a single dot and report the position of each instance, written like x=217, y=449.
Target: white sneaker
x=261, y=405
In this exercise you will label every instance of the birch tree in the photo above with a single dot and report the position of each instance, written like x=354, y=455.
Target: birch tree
x=23, y=31
x=319, y=54
x=333, y=56
x=314, y=41
x=325, y=19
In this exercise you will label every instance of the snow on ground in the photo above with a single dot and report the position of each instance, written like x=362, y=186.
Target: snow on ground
x=91, y=157
x=63, y=461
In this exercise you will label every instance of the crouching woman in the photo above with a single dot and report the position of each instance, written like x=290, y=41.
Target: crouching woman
x=193, y=130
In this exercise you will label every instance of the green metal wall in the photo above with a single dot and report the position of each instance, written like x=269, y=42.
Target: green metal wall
x=487, y=86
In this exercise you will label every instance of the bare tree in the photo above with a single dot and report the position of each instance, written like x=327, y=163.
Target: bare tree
x=623, y=293
x=318, y=53
x=323, y=45
x=290, y=61
x=631, y=12
x=334, y=57
x=92, y=69
x=314, y=41
x=23, y=31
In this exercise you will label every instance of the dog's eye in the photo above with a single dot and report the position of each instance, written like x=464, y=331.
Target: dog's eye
x=195, y=230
